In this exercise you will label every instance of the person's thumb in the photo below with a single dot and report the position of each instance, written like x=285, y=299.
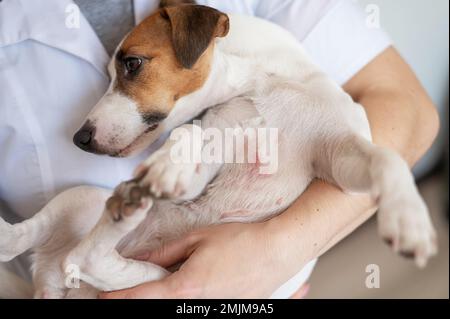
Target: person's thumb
x=170, y=253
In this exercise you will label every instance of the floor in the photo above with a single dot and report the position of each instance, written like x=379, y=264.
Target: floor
x=341, y=273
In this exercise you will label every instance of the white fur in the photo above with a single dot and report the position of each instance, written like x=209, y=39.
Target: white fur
x=323, y=133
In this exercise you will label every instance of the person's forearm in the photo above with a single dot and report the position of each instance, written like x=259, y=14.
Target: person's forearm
x=402, y=118
x=318, y=220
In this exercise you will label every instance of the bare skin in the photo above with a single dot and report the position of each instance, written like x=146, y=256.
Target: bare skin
x=252, y=261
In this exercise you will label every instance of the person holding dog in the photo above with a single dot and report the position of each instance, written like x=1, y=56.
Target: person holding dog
x=53, y=72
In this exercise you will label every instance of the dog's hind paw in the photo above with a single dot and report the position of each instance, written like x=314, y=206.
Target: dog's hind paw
x=7, y=242
x=130, y=203
x=404, y=224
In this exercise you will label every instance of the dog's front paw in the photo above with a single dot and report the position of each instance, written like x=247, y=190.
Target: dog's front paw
x=163, y=177
x=405, y=224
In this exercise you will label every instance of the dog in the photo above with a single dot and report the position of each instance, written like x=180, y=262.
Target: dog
x=189, y=62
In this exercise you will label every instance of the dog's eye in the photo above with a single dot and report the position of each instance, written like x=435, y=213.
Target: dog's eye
x=132, y=64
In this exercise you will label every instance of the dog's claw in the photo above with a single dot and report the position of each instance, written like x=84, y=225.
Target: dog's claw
x=389, y=242
x=408, y=254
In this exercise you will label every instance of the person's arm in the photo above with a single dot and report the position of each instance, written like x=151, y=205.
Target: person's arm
x=253, y=260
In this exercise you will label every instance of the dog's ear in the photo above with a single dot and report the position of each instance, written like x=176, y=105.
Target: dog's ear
x=193, y=29
x=167, y=3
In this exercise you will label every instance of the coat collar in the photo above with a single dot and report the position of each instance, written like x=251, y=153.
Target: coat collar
x=44, y=21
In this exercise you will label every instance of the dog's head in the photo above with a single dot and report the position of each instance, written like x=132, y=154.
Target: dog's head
x=165, y=58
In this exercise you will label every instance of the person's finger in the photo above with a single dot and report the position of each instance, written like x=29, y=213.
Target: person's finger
x=152, y=290
x=302, y=293
x=171, y=253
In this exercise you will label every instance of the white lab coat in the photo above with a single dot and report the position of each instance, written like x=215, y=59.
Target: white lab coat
x=52, y=75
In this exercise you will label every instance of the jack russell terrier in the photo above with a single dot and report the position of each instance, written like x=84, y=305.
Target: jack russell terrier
x=185, y=62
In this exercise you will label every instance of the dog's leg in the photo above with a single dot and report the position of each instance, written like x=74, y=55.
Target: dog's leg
x=99, y=264
x=358, y=166
x=36, y=231
x=17, y=239
x=186, y=180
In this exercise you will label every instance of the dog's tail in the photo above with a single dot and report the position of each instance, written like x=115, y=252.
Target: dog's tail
x=13, y=287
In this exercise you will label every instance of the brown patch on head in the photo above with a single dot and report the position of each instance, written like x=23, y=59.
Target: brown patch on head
x=168, y=3
x=175, y=48
x=193, y=28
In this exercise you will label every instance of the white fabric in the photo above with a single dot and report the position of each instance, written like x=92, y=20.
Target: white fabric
x=51, y=76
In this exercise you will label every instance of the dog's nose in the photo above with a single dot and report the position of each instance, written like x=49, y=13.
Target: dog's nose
x=84, y=138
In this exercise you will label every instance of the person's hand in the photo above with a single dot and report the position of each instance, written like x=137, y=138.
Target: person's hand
x=227, y=261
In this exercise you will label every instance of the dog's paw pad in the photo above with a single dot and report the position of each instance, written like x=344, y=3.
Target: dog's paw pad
x=128, y=200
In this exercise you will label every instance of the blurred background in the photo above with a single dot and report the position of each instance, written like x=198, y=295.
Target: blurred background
x=420, y=31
